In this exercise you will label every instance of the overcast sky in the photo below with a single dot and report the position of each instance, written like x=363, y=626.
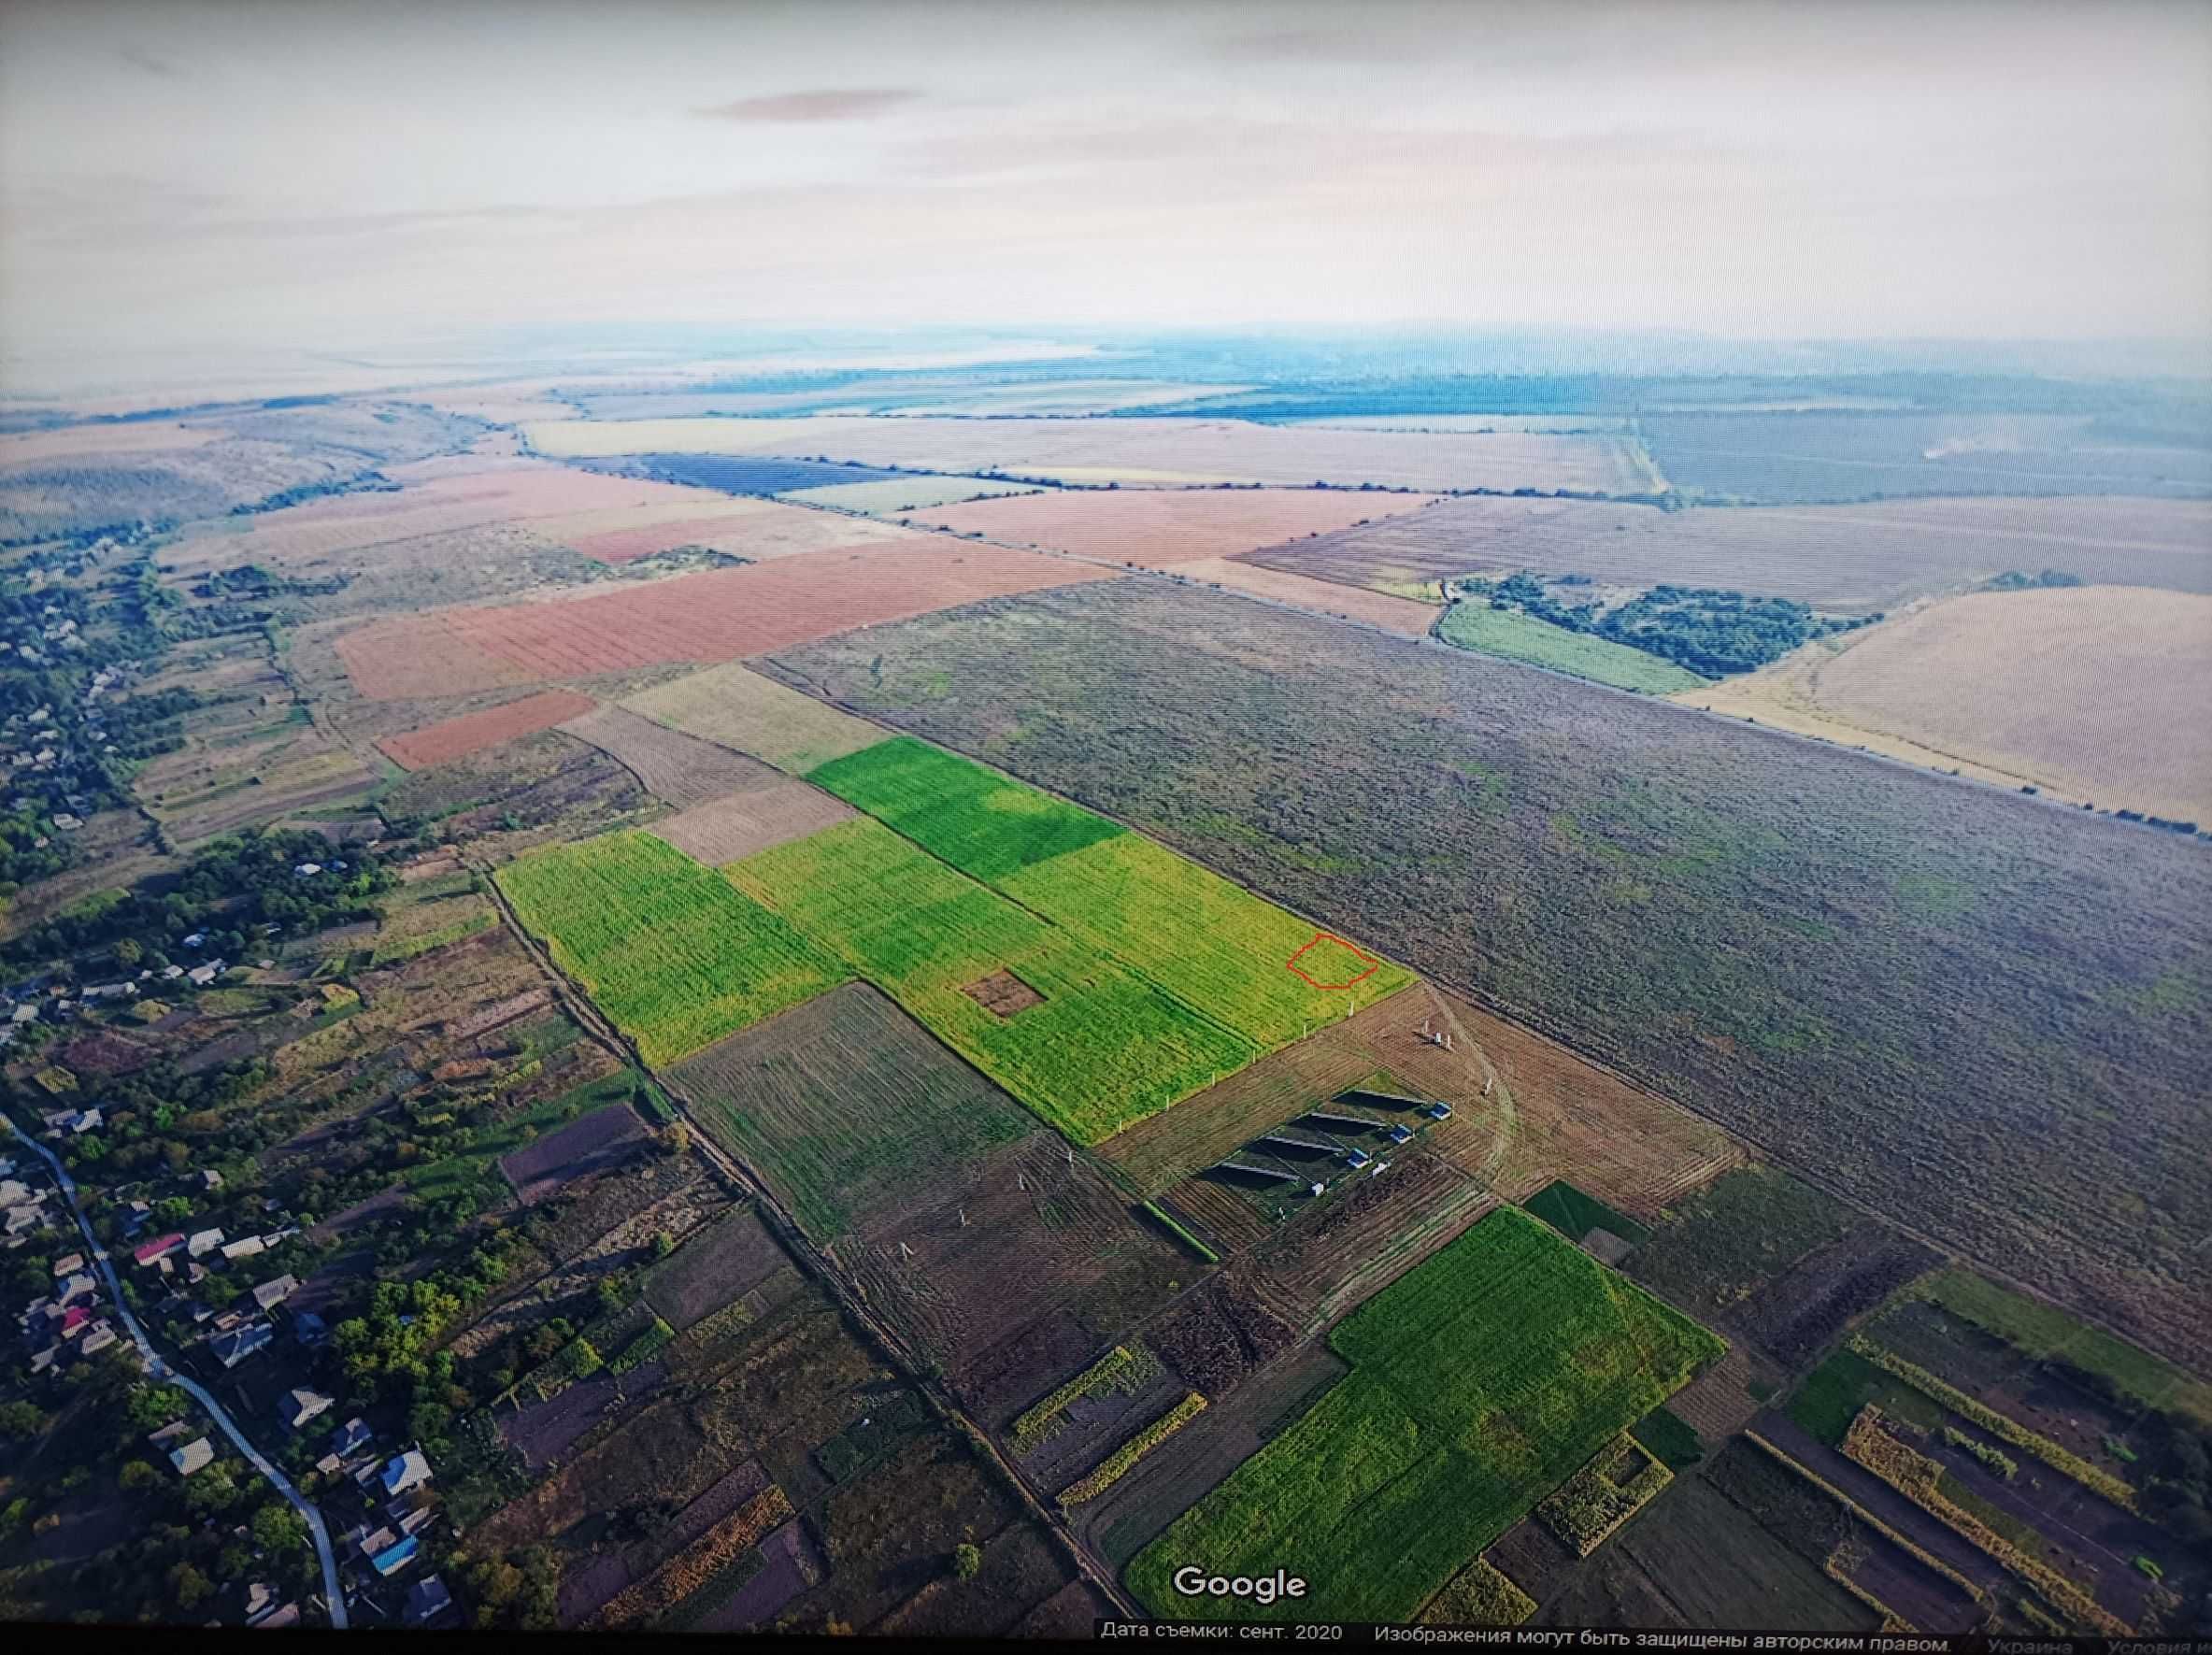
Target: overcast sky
x=305, y=173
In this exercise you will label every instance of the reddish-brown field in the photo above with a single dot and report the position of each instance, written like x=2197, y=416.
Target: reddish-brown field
x=440, y=497
x=1158, y=528
x=1840, y=557
x=456, y=738
x=1402, y=616
x=755, y=530
x=717, y=616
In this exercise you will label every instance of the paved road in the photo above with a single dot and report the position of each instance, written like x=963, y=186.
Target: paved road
x=192, y=1388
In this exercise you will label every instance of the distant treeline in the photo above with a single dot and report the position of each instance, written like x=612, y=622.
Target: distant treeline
x=1710, y=631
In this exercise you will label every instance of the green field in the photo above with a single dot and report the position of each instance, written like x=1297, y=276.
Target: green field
x=978, y=820
x=435, y=1179
x=1208, y=942
x=2046, y=1333
x=1521, y=637
x=674, y=954
x=1103, y=1049
x=845, y=1106
x=1575, y=1214
x=1480, y=1381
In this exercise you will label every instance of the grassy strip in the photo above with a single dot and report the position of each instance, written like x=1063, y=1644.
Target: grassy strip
x=402, y=949
x=1479, y=1595
x=1117, y=1466
x=713, y=1595
x=1119, y=1369
x=576, y=1360
x=684, y=1574
x=2047, y=1334
x=2004, y=1464
x=1182, y=1235
x=1896, y=1537
x=642, y=1348
x=1584, y=1510
x=1998, y=1425
x=1920, y=1479
x=1511, y=637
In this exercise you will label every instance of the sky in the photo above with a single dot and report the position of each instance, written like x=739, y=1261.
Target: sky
x=320, y=175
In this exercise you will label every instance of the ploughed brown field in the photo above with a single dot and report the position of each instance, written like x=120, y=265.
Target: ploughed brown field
x=471, y=733
x=712, y=616
x=1158, y=528
x=1992, y=1000
x=1834, y=557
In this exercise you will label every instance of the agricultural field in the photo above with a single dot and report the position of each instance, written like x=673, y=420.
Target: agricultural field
x=1100, y=1047
x=738, y=474
x=1784, y=458
x=739, y=708
x=676, y=957
x=898, y=497
x=1406, y=616
x=546, y=781
x=1135, y=451
x=1480, y=1381
x=1815, y=947
x=1849, y=558
x=2023, y=686
x=681, y=769
x=1475, y=625
x=716, y=615
x=739, y=824
x=983, y=824
x=471, y=733
x=72, y=442
x=1158, y=528
x=843, y=1104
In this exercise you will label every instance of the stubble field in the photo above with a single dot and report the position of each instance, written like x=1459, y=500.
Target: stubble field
x=1158, y=528
x=1135, y=451
x=1811, y=947
x=1832, y=557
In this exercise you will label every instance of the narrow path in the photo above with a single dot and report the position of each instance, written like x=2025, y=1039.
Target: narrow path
x=160, y=1369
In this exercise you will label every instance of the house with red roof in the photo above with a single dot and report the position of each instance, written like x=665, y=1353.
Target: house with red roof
x=154, y=1252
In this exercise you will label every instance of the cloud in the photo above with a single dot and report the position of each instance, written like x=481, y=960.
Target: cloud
x=146, y=63
x=858, y=103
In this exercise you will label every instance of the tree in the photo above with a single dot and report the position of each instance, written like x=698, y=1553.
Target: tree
x=278, y=1528
x=679, y=1139
x=189, y=1587
x=138, y=1473
x=20, y=1419
x=967, y=1562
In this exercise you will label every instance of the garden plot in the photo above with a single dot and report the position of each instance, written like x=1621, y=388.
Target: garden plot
x=741, y=709
x=471, y=733
x=681, y=769
x=597, y=1143
x=1479, y=1381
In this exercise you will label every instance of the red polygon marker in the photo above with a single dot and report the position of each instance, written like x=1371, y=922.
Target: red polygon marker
x=1338, y=965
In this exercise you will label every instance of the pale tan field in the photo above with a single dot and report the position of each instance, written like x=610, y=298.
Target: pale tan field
x=2089, y=694
x=739, y=708
x=894, y=498
x=1401, y=616
x=1158, y=528
x=1133, y=450
x=37, y=448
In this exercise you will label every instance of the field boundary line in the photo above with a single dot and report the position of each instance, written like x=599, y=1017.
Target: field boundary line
x=741, y=1177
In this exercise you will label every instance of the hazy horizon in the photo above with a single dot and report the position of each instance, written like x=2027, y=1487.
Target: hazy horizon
x=325, y=175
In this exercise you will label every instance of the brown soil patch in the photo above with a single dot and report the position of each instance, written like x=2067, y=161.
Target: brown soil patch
x=1003, y=993
x=724, y=830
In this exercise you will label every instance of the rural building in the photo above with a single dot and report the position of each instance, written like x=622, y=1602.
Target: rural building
x=79, y=1286
x=96, y=1338
x=351, y=1437
x=427, y=1600
x=84, y=1120
x=68, y=1263
x=74, y=1320
x=270, y=1294
x=406, y=1471
x=201, y=976
x=278, y=1618
x=210, y=1180
x=261, y=1598
x=234, y=1347
x=192, y=1456
x=309, y=1328
x=203, y=1242
x=300, y=1404
x=244, y=1248
x=20, y=1219
x=395, y=1557
x=160, y=1248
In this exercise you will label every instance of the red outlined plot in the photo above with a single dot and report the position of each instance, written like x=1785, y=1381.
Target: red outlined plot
x=1338, y=965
